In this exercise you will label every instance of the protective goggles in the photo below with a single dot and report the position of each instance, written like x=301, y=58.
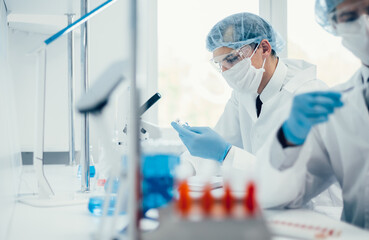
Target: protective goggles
x=228, y=60
x=349, y=13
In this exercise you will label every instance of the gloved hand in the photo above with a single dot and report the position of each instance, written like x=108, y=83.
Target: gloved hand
x=307, y=110
x=203, y=142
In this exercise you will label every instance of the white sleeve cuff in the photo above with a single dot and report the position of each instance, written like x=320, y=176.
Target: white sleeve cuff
x=283, y=158
x=201, y=166
x=239, y=159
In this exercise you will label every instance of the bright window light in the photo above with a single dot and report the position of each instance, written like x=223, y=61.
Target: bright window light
x=191, y=88
x=309, y=41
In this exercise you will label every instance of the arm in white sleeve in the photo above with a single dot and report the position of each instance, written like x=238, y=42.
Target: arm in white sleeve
x=277, y=188
x=281, y=156
x=240, y=159
x=319, y=172
x=310, y=174
x=200, y=166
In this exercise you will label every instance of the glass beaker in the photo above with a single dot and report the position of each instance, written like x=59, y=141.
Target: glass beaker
x=159, y=160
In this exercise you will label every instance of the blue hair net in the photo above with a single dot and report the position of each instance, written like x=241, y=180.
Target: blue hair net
x=322, y=10
x=241, y=29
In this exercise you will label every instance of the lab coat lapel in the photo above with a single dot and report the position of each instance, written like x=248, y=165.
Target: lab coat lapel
x=247, y=101
x=271, y=89
x=301, y=78
x=275, y=84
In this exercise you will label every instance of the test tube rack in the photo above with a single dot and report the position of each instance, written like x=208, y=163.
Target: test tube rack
x=207, y=217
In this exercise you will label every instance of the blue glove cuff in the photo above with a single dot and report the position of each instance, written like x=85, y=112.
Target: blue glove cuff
x=225, y=152
x=290, y=137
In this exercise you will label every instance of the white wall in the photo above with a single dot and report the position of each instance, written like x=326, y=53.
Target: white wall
x=107, y=43
x=10, y=158
x=24, y=74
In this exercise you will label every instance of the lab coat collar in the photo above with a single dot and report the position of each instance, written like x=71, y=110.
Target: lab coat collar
x=275, y=83
x=272, y=88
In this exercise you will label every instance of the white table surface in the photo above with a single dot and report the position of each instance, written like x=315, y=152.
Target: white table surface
x=68, y=222
x=75, y=222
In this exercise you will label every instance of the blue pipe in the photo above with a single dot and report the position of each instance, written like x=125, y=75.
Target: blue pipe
x=78, y=22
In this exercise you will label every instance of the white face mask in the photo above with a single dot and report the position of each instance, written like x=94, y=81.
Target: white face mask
x=244, y=77
x=355, y=37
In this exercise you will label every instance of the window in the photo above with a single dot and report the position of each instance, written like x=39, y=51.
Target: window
x=191, y=88
x=309, y=41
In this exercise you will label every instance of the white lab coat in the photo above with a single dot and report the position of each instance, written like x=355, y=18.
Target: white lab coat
x=335, y=150
x=239, y=124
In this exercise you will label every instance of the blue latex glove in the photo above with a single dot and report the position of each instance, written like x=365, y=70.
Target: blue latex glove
x=309, y=109
x=203, y=142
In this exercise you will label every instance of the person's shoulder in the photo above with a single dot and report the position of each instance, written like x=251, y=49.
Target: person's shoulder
x=301, y=76
x=297, y=64
x=318, y=85
x=311, y=85
x=354, y=80
x=299, y=71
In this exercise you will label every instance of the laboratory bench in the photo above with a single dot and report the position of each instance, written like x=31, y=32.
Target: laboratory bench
x=76, y=222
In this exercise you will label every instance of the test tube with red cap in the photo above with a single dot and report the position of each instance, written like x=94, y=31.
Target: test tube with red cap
x=228, y=200
x=250, y=204
x=184, y=202
x=207, y=201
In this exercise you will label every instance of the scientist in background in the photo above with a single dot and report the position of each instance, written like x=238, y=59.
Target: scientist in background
x=338, y=147
x=245, y=51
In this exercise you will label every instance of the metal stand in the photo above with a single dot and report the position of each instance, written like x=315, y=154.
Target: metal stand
x=134, y=203
x=72, y=156
x=44, y=188
x=85, y=145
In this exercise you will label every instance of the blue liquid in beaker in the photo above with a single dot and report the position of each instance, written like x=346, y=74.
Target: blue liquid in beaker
x=158, y=179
